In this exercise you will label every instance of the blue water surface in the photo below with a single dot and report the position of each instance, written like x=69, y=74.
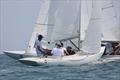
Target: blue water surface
x=11, y=69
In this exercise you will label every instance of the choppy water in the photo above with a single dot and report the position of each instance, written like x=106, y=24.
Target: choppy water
x=11, y=69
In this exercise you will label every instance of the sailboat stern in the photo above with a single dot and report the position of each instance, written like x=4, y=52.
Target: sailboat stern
x=96, y=56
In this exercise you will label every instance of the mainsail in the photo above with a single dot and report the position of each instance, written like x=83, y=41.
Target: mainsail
x=65, y=17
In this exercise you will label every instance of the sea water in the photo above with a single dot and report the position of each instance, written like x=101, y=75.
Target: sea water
x=11, y=69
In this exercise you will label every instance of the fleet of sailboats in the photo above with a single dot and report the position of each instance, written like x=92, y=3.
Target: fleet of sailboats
x=69, y=21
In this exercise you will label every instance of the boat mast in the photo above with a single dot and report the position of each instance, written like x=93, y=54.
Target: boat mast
x=79, y=28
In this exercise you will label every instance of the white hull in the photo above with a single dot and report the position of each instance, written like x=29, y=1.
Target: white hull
x=17, y=54
x=70, y=61
x=50, y=60
x=65, y=61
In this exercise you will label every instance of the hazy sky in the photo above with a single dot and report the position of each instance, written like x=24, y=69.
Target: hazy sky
x=17, y=20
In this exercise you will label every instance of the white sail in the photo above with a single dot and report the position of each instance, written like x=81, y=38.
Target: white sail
x=51, y=18
x=111, y=29
x=65, y=17
x=92, y=42
x=103, y=23
x=116, y=4
x=86, y=11
x=41, y=26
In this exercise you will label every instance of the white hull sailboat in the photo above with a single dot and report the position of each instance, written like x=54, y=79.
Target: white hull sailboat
x=91, y=50
x=78, y=28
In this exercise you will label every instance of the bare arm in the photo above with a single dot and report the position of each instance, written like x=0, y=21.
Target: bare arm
x=66, y=52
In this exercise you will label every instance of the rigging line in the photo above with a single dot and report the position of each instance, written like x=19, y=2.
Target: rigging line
x=74, y=44
x=67, y=39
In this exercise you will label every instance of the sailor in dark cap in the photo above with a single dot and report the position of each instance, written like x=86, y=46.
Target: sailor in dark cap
x=38, y=46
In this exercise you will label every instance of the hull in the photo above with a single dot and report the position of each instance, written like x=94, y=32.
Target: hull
x=17, y=54
x=72, y=60
x=65, y=61
x=75, y=60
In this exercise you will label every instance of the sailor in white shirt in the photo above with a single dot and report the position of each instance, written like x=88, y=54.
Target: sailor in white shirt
x=58, y=51
x=38, y=46
x=65, y=50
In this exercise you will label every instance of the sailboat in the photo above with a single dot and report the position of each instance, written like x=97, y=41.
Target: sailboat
x=91, y=49
x=61, y=24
